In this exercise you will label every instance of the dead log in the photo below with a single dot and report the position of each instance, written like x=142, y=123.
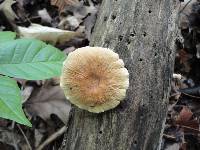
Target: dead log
x=143, y=33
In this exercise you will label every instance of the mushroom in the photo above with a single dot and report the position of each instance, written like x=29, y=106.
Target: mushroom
x=94, y=79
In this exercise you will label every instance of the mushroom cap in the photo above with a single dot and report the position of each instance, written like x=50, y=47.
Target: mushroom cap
x=94, y=79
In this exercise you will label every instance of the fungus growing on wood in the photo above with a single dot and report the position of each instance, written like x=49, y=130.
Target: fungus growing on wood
x=94, y=79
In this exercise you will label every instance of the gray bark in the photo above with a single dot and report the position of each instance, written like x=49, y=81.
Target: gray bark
x=143, y=33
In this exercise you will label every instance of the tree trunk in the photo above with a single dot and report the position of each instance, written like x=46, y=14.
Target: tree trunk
x=143, y=33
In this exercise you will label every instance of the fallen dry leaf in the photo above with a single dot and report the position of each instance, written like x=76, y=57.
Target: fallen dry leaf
x=80, y=14
x=183, y=146
x=26, y=92
x=62, y=3
x=184, y=58
x=38, y=137
x=7, y=9
x=184, y=116
x=185, y=119
x=12, y=138
x=90, y=20
x=47, y=100
x=185, y=10
x=70, y=23
x=47, y=34
x=8, y=137
x=174, y=146
x=44, y=15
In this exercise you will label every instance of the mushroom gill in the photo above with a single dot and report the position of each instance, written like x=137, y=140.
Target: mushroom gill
x=94, y=79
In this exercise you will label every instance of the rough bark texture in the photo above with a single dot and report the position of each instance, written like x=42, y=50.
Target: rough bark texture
x=143, y=34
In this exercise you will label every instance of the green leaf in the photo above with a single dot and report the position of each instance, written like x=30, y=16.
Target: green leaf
x=7, y=36
x=30, y=59
x=10, y=101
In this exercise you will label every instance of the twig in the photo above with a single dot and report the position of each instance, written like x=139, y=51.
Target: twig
x=183, y=126
x=185, y=6
x=169, y=137
x=186, y=127
x=13, y=137
x=190, y=95
x=28, y=143
x=52, y=137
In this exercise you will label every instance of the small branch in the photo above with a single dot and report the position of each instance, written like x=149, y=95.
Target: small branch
x=186, y=127
x=196, y=97
x=28, y=143
x=52, y=137
x=13, y=137
x=185, y=6
x=169, y=137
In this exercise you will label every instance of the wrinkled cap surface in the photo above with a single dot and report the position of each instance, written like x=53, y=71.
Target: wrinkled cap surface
x=94, y=79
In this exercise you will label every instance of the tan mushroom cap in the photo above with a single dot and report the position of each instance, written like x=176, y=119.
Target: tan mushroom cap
x=94, y=79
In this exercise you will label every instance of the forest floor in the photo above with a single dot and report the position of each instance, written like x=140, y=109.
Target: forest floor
x=45, y=104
